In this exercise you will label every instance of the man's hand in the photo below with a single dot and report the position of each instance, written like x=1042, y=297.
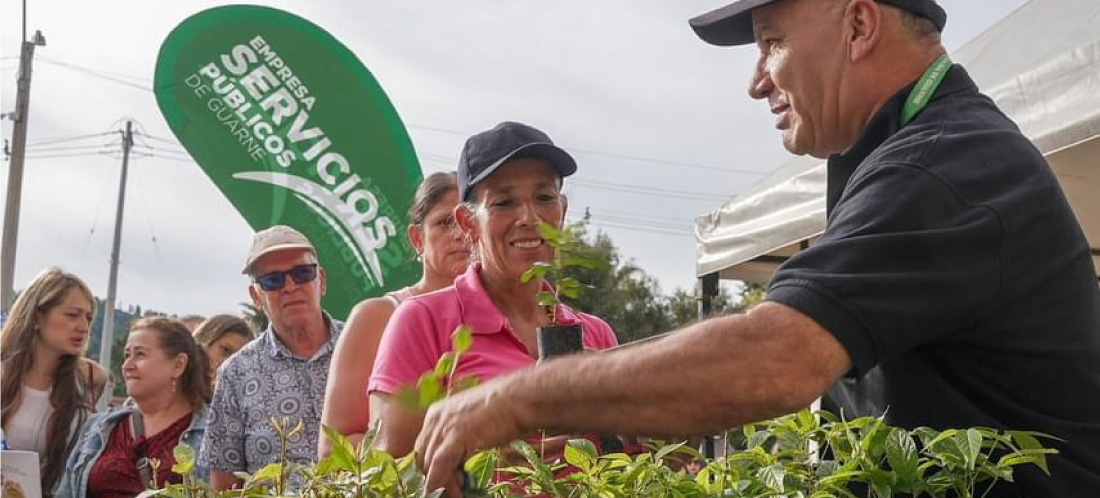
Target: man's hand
x=457, y=427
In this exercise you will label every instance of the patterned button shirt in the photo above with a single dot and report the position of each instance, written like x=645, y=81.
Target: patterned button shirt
x=264, y=380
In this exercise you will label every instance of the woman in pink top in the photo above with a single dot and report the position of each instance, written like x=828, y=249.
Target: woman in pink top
x=439, y=245
x=509, y=178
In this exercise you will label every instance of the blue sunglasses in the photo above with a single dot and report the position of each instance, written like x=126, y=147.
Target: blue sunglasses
x=276, y=280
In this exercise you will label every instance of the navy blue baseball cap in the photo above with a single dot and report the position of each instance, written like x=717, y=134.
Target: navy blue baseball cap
x=485, y=152
x=732, y=24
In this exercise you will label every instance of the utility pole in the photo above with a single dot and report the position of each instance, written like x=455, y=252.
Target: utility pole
x=15, y=171
x=108, y=334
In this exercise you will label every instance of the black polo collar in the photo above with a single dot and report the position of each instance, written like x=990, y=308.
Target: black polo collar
x=885, y=124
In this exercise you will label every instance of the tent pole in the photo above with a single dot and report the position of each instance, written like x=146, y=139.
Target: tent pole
x=708, y=290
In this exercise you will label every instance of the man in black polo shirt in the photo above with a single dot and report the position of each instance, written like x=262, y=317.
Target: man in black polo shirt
x=952, y=287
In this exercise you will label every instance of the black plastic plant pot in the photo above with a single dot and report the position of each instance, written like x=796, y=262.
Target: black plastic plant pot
x=559, y=340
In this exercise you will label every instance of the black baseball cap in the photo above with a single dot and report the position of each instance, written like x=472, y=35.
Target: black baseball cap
x=732, y=24
x=485, y=152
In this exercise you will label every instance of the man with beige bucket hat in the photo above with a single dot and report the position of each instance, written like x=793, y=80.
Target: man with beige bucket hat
x=282, y=373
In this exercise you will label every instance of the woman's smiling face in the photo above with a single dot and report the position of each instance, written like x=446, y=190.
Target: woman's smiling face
x=508, y=205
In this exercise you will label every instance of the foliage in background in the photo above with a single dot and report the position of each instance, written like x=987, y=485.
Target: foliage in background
x=630, y=300
x=255, y=317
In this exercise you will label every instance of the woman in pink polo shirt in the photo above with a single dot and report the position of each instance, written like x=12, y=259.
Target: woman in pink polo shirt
x=439, y=246
x=509, y=178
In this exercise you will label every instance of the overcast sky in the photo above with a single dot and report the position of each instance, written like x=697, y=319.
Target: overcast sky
x=659, y=122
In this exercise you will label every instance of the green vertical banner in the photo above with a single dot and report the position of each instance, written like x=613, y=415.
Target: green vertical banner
x=294, y=130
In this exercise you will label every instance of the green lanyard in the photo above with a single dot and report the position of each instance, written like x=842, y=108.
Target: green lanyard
x=926, y=86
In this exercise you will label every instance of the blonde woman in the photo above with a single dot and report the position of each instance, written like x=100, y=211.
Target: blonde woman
x=48, y=388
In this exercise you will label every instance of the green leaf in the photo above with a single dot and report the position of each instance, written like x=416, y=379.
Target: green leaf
x=583, y=262
x=548, y=232
x=843, y=477
x=546, y=299
x=409, y=398
x=580, y=453
x=569, y=283
x=481, y=467
x=537, y=270
x=1036, y=456
x=528, y=453
x=464, y=384
x=827, y=468
x=429, y=390
x=342, y=454
x=185, y=459
x=757, y=439
x=269, y=472
x=444, y=365
x=326, y=466
x=569, y=287
x=874, y=442
x=901, y=452
x=806, y=420
x=668, y=449
x=772, y=476
x=462, y=339
x=974, y=447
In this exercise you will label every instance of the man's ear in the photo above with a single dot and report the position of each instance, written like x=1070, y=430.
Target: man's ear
x=465, y=221
x=863, y=27
x=324, y=280
x=257, y=299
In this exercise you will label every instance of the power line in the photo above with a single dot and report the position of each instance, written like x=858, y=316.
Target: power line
x=602, y=212
x=161, y=149
x=614, y=155
x=625, y=188
x=69, y=147
x=636, y=228
x=53, y=140
x=170, y=158
x=159, y=139
x=642, y=225
x=60, y=155
x=643, y=221
x=97, y=74
x=640, y=189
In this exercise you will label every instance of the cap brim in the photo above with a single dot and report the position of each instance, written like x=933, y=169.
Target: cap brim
x=557, y=157
x=281, y=247
x=729, y=25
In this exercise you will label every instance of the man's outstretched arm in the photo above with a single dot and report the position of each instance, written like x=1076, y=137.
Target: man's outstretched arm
x=703, y=379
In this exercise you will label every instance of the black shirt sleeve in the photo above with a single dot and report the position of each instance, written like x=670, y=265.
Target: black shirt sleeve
x=905, y=261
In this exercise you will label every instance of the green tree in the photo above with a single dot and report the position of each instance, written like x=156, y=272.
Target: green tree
x=620, y=292
x=683, y=306
x=255, y=317
x=629, y=300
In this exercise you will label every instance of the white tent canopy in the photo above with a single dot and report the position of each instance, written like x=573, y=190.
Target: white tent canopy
x=1041, y=65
